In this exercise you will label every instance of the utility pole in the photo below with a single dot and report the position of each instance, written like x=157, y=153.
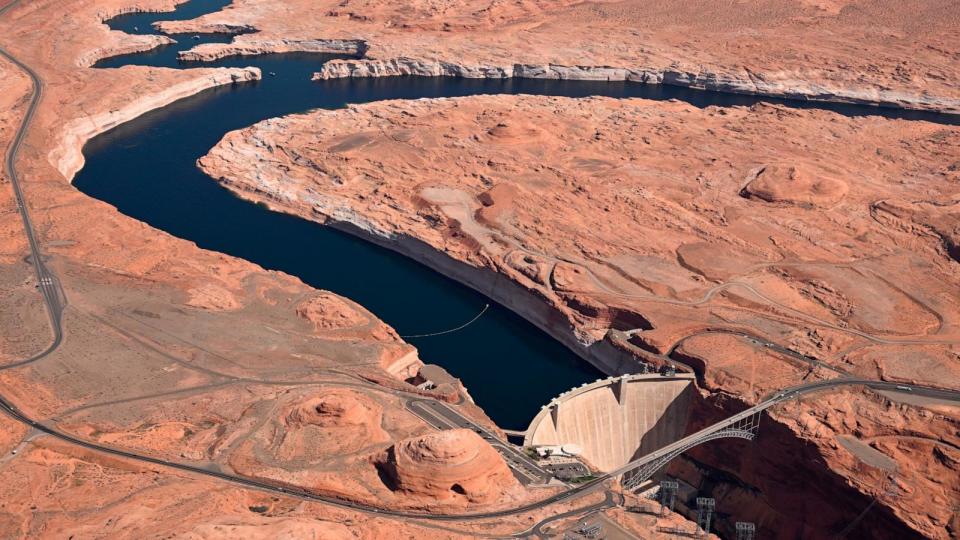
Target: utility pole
x=705, y=506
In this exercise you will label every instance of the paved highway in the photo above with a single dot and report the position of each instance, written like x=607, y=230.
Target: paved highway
x=611, y=500
x=54, y=299
x=49, y=288
x=781, y=396
x=440, y=416
x=46, y=281
x=757, y=340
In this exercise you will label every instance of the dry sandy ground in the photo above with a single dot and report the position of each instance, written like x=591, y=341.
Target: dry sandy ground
x=681, y=228
x=893, y=51
x=54, y=490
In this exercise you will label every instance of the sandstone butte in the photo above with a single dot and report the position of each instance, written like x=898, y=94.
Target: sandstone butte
x=638, y=228
x=201, y=347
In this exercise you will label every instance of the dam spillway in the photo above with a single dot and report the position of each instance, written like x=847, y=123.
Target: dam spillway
x=616, y=420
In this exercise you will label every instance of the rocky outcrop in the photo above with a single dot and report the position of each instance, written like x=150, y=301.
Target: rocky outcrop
x=130, y=43
x=67, y=155
x=842, y=53
x=133, y=44
x=214, y=51
x=448, y=466
x=338, y=419
x=939, y=219
x=184, y=27
x=734, y=83
x=789, y=184
x=610, y=222
x=328, y=312
x=154, y=7
x=426, y=68
x=338, y=407
x=754, y=482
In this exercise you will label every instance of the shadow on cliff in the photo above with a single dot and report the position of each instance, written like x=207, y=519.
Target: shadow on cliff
x=669, y=427
x=779, y=481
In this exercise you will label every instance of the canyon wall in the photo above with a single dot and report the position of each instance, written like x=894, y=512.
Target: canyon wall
x=657, y=229
x=67, y=154
x=886, y=53
x=211, y=51
x=734, y=83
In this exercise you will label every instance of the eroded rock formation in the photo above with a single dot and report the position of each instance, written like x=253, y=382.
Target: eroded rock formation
x=189, y=335
x=448, y=465
x=659, y=231
x=174, y=338
x=846, y=51
x=790, y=185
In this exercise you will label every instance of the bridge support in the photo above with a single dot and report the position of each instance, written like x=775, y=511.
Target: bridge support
x=705, y=506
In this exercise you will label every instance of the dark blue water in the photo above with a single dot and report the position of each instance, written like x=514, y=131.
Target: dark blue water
x=146, y=168
x=142, y=23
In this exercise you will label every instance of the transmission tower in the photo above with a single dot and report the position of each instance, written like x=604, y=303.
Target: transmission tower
x=705, y=506
x=668, y=494
x=745, y=530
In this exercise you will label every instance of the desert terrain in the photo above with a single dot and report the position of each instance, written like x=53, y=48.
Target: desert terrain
x=631, y=230
x=872, y=51
x=676, y=234
x=186, y=355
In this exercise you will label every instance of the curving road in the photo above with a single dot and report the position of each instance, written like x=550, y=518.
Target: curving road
x=787, y=394
x=610, y=501
x=47, y=282
x=812, y=361
x=54, y=300
x=442, y=416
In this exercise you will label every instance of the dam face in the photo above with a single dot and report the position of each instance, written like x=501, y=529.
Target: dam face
x=616, y=420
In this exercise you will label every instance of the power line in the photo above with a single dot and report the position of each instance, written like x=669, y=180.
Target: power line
x=452, y=330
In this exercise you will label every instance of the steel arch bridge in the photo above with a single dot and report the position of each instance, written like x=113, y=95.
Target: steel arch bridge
x=642, y=470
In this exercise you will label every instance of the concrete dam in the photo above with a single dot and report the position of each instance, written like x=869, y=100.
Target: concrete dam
x=616, y=420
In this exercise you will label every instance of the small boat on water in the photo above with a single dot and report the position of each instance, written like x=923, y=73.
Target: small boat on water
x=196, y=38
x=272, y=74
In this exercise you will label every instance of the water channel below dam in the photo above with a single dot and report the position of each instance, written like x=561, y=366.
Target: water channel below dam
x=147, y=169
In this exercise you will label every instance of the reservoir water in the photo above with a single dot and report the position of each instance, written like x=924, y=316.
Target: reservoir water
x=146, y=168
